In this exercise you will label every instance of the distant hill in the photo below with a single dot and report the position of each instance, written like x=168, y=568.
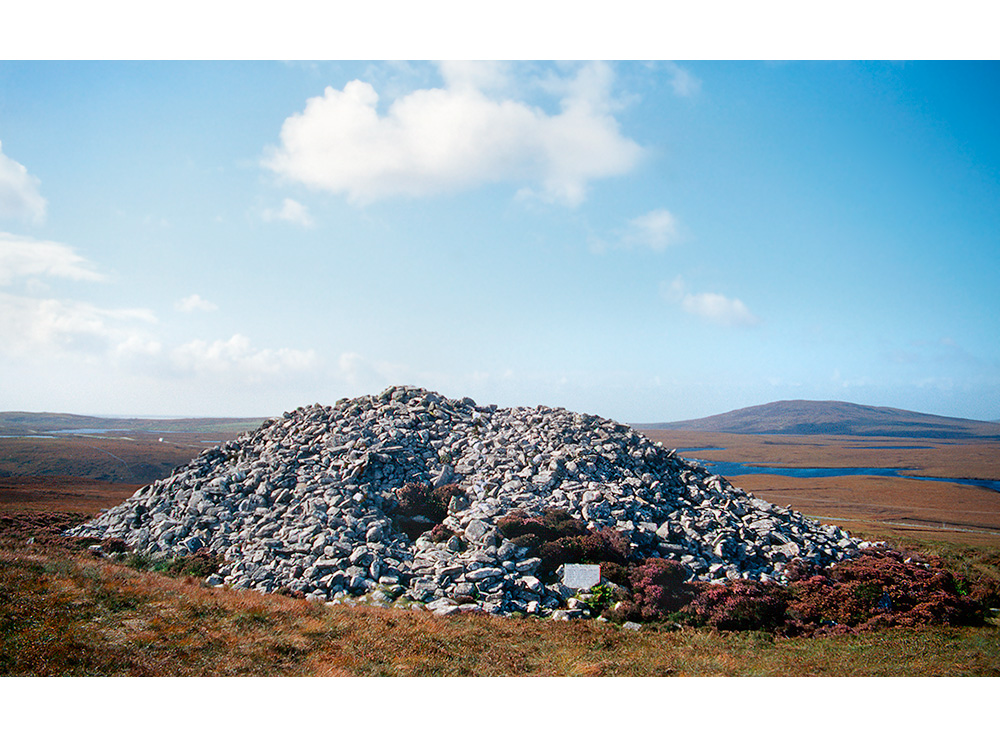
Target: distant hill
x=40, y=423
x=803, y=417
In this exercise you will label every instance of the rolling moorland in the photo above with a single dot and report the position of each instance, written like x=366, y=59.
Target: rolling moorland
x=803, y=417
x=65, y=612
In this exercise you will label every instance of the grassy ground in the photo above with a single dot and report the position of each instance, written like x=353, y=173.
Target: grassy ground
x=63, y=612
x=80, y=617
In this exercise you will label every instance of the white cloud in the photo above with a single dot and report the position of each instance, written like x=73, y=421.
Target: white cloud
x=19, y=196
x=29, y=325
x=478, y=75
x=684, y=83
x=718, y=308
x=77, y=335
x=21, y=256
x=714, y=308
x=236, y=355
x=55, y=329
x=656, y=229
x=461, y=136
x=291, y=211
x=195, y=303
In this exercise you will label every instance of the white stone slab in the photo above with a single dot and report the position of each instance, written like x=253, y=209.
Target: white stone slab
x=580, y=576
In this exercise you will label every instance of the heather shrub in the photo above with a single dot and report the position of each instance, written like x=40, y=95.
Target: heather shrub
x=605, y=545
x=984, y=590
x=559, y=538
x=527, y=541
x=416, y=500
x=201, y=564
x=419, y=507
x=440, y=533
x=553, y=555
x=615, y=573
x=882, y=589
x=551, y=526
x=741, y=605
x=113, y=545
x=659, y=587
x=442, y=496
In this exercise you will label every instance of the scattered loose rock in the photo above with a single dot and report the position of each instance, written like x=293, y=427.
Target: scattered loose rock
x=306, y=502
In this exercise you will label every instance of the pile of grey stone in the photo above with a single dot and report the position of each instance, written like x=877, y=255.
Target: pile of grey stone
x=304, y=503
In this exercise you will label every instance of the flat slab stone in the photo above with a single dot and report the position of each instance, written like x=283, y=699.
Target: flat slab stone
x=581, y=576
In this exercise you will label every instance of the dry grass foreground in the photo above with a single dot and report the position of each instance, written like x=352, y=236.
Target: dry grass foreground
x=63, y=612
x=77, y=616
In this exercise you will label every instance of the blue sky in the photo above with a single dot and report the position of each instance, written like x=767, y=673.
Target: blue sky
x=645, y=241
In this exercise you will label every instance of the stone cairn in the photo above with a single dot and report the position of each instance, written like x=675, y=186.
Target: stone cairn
x=304, y=503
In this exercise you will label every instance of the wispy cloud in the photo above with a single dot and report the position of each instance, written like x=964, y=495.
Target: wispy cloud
x=655, y=230
x=466, y=134
x=195, y=303
x=29, y=325
x=23, y=257
x=237, y=356
x=291, y=211
x=19, y=195
x=74, y=330
x=682, y=81
x=715, y=308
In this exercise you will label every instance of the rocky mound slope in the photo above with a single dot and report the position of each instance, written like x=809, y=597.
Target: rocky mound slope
x=337, y=501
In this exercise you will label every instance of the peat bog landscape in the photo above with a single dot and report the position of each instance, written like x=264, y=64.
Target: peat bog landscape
x=70, y=609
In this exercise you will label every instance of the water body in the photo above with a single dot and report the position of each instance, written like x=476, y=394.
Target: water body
x=731, y=468
x=890, y=447
x=89, y=431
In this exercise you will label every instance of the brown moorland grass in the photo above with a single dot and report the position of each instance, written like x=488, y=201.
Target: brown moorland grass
x=867, y=506
x=880, y=505
x=77, y=616
x=63, y=612
x=61, y=494
x=138, y=458
x=931, y=456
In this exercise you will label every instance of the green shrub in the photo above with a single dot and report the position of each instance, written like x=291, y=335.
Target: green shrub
x=201, y=564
